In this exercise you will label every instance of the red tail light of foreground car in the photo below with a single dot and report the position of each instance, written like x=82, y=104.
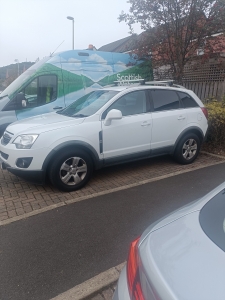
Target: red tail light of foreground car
x=133, y=277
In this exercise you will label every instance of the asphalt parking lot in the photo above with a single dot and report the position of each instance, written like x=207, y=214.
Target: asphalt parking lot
x=39, y=265
x=19, y=198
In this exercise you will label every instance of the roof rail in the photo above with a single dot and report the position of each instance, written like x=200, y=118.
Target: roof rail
x=127, y=82
x=143, y=82
x=164, y=82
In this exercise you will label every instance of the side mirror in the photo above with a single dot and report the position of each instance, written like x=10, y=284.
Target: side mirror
x=113, y=114
x=21, y=100
x=24, y=103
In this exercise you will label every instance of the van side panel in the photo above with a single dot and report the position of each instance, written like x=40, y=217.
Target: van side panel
x=82, y=70
x=86, y=71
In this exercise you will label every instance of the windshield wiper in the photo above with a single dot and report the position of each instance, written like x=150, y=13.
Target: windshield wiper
x=60, y=111
x=3, y=96
x=79, y=116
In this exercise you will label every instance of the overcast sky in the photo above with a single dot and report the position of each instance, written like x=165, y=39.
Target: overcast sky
x=35, y=28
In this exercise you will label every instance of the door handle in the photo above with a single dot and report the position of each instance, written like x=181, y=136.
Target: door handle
x=57, y=107
x=181, y=118
x=145, y=123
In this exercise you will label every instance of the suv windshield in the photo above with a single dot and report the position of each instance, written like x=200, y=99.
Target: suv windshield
x=88, y=104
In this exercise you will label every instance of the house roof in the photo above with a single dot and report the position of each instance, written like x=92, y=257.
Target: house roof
x=123, y=45
x=133, y=41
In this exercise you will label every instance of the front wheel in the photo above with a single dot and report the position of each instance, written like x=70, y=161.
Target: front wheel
x=71, y=170
x=187, y=149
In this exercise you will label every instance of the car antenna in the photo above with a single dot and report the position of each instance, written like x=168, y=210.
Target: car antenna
x=56, y=48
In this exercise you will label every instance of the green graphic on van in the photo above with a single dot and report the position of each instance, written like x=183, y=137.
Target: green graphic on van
x=141, y=71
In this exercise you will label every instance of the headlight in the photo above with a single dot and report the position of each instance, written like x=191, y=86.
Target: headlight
x=25, y=141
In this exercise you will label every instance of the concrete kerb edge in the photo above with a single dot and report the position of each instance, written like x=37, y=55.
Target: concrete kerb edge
x=32, y=213
x=92, y=286
x=54, y=206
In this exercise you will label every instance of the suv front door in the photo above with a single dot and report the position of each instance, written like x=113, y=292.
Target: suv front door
x=129, y=137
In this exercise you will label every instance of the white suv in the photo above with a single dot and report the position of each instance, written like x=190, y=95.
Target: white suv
x=108, y=126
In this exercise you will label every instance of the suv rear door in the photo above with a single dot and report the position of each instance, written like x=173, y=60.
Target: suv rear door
x=169, y=119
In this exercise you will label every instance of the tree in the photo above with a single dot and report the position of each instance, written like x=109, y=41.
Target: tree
x=175, y=29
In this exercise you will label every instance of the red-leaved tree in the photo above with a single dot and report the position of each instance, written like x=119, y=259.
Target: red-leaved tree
x=175, y=30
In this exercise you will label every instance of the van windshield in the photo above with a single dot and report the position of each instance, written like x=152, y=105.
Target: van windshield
x=16, y=84
x=88, y=104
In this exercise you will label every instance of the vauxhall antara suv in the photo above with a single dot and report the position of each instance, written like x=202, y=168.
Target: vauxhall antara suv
x=105, y=127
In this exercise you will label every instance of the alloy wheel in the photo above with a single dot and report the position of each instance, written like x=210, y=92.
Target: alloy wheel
x=189, y=149
x=73, y=171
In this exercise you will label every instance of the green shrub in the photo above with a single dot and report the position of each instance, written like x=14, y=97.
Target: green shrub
x=216, y=130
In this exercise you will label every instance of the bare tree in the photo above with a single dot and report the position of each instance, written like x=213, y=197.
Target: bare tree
x=174, y=30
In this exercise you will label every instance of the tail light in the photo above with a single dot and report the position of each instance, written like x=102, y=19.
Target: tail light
x=133, y=278
x=205, y=112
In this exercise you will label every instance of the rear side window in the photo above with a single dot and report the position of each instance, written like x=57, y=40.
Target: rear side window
x=212, y=219
x=187, y=101
x=165, y=100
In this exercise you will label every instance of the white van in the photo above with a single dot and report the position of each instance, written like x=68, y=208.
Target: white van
x=56, y=81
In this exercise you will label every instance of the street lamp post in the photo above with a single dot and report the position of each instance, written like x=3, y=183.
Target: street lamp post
x=72, y=19
x=18, y=72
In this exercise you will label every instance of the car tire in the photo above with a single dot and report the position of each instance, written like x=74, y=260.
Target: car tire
x=71, y=170
x=187, y=149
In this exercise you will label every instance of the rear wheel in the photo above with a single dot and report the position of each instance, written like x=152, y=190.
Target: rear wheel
x=71, y=170
x=187, y=149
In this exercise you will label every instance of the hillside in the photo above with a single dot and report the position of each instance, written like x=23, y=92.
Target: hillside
x=10, y=73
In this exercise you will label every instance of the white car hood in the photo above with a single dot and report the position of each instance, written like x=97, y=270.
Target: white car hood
x=43, y=123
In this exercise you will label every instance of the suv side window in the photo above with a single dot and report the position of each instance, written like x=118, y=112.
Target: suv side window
x=165, y=100
x=187, y=100
x=130, y=104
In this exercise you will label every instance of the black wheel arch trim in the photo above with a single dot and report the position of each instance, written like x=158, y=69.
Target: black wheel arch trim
x=191, y=129
x=83, y=145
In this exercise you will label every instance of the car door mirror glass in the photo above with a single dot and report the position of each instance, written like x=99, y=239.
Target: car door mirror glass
x=20, y=101
x=113, y=114
x=24, y=103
